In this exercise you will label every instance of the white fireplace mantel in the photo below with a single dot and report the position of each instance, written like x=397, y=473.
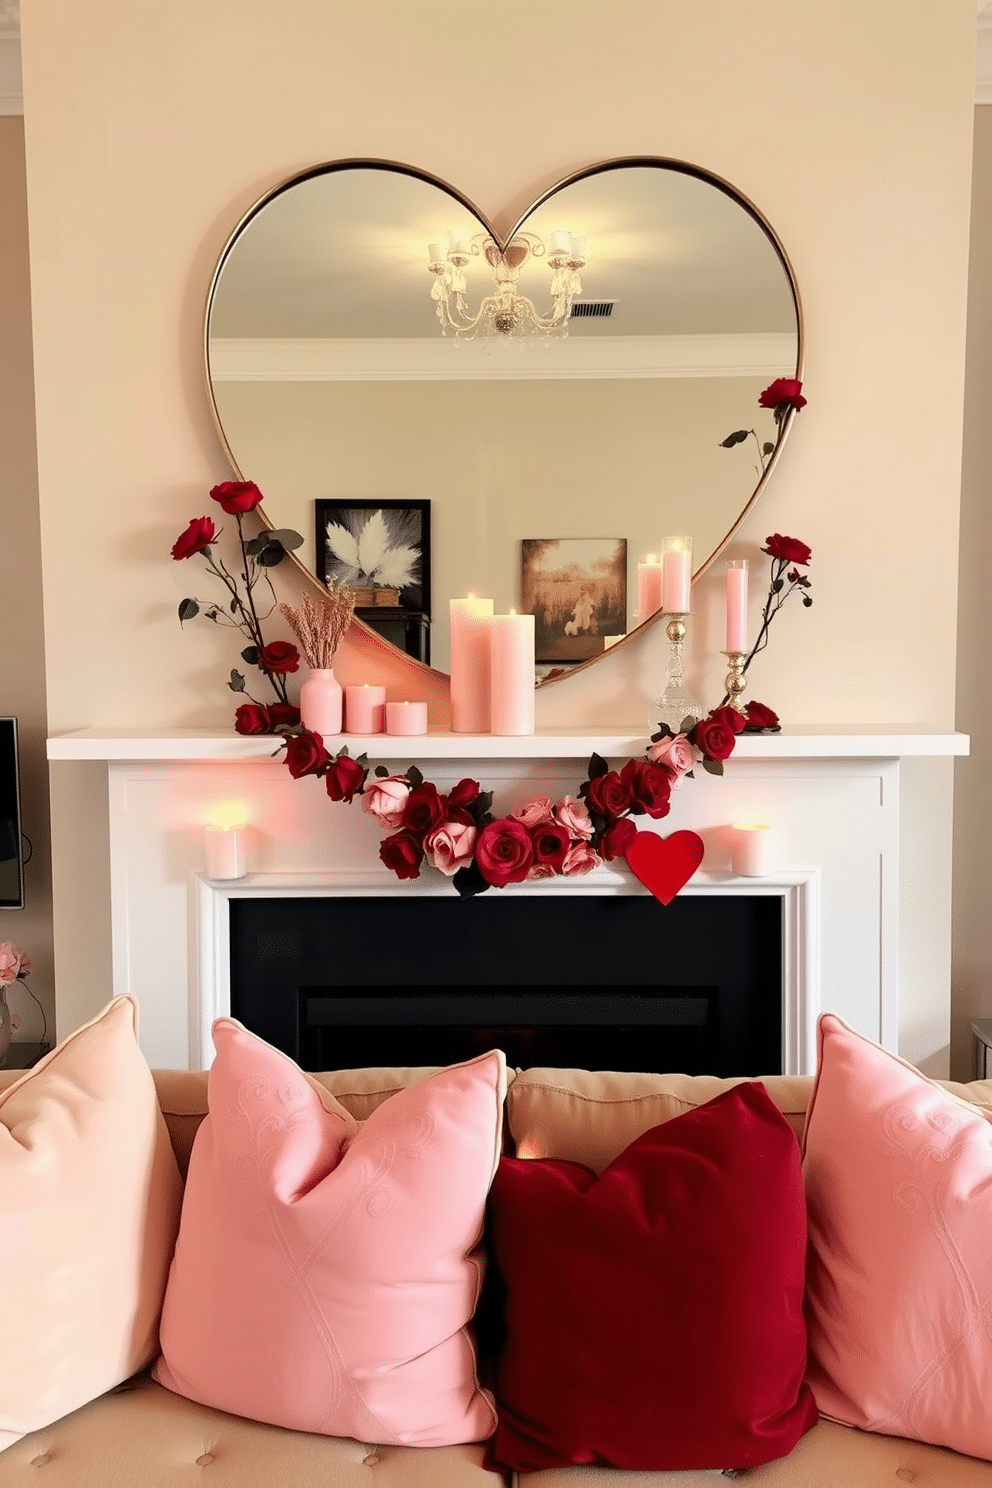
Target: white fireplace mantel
x=832, y=796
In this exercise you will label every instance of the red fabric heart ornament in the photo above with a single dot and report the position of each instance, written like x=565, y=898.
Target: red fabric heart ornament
x=665, y=864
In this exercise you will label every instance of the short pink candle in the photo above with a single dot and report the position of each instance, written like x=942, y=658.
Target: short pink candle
x=512, y=651
x=737, y=606
x=365, y=709
x=648, y=587
x=470, y=620
x=406, y=718
x=676, y=566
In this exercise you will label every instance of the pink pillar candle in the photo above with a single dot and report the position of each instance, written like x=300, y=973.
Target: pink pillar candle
x=365, y=709
x=737, y=605
x=676, y=568
x=512, y=656
x=649, y=574
x=470, y=620
x=406, y=718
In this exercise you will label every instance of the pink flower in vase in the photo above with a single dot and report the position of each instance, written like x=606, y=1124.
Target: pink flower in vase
x=450, y=846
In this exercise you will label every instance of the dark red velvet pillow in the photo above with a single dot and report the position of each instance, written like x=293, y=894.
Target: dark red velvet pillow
x=654, y=1315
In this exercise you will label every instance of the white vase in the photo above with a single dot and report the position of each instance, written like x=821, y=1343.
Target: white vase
x=320, y=702
x=4, y=1028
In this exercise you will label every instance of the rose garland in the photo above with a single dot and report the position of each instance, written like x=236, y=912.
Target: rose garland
x=457, y=833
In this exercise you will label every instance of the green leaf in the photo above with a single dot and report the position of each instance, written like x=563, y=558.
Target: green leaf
x=597, y=766
x=414, y=776
x=662, y=732
x=271, y=555
x=286, y=537
x=234, y=606
x=738, y=437
x=188, y=609
x=713, y=767
x=211, y=615
x=381, y=771
x=767, y=448
x=483, y=802
x=687, y=723
x=250, y=655
x=237, y=682
x=254, y=545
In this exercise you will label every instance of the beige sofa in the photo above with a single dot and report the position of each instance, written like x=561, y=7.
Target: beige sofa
x=142, y=1436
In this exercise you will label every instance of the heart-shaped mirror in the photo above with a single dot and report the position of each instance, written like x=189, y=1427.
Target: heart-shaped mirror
x=441, y=411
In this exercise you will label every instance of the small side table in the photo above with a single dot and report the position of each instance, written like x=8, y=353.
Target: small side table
x=23, y=1056
x=981, y=1032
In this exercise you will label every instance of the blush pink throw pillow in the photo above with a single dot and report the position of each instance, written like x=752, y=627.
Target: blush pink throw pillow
x=898, y=1180
x=326, y=1273
x=89, y=1208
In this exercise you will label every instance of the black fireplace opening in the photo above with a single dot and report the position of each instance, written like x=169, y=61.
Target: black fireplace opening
x=581, y=981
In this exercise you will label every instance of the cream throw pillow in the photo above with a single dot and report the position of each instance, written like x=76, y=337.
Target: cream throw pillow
x=89, y=1211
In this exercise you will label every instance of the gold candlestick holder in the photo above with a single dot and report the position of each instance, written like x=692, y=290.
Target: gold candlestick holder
x=736, y=680
x=676, y=704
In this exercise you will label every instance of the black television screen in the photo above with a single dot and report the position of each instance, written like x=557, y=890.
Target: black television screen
x=11, y=858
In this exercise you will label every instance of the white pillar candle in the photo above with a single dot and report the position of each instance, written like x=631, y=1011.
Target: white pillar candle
x=226, y=852
x=512, y=652
x=752, y=845
x=406, y=718
x=365, y=709
x=737, y=605
x=676, y=565
x=470, y=621
x=649, y=587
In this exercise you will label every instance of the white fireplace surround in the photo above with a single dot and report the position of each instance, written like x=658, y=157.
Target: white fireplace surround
x=832, y=798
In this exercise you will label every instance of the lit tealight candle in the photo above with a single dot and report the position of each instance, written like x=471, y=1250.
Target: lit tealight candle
x=751, y=848
x=406, y=718
x=365, y=709
x=676, y=564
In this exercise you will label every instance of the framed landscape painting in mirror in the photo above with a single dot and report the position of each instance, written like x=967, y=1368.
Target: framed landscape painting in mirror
x=367, y=330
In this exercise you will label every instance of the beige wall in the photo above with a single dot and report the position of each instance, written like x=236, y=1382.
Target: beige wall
x=848, y=124
x=972, y=966
x=22, y=654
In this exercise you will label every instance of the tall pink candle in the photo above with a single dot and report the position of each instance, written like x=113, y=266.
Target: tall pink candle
x=648, y=587
x=406, y=718
x=512, y=651
x=676, y=566
x=470, y=620
x=364, y=709
x=737, y=605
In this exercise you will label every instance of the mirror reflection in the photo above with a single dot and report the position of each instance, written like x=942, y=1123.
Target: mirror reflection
x=525, y=419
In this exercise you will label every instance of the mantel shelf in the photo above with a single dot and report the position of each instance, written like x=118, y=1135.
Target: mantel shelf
x=888, y=741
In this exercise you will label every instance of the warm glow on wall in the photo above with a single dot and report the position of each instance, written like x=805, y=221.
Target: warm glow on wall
x=225, y=816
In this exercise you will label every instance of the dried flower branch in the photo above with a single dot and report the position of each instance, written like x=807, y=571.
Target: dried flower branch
x=320, y=624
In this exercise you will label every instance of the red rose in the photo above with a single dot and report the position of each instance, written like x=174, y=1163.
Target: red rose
x=730, y=716
x=279, y=656
x=198, y=535
x=788, y=549
x=284, y=715
x=551, y=844
x=784, y=392
x=465, y=793
x=344, y=778
x=616, y=839
x=608, y=794
x=305, y=754
x=423, y=809
x=253, y=718
x=236, y=497
x=650, y=787
x=504, y=852
x=402, y=854
x=715, y=735
x=760, y=717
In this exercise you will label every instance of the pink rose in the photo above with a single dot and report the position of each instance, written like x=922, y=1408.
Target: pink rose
x=534, y=812
x=386, y=799
x=450, y=845
x=13, y=963
x=573, y=815
x=675, y=753
x=580, y=859
x=541, y=870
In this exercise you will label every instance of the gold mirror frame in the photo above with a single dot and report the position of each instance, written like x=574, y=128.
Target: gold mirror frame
x=619, y=163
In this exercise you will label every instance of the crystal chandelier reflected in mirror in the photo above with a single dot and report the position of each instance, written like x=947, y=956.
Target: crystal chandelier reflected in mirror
x=505, y=312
